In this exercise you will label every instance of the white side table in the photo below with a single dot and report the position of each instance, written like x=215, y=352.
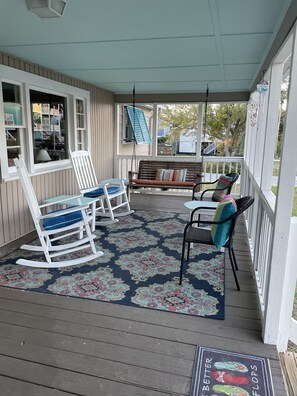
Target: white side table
x=204, y=205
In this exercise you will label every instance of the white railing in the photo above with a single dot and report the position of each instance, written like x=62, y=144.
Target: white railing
x=292, y=264
x=212, y=167
x=215, y=166
x=260, y=224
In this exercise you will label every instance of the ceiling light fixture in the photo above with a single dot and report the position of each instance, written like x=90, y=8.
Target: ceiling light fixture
x=47, y=8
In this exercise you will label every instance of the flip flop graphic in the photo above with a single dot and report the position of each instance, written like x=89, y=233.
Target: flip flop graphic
x=233, y=366
x=230, y=390
x=227, y=378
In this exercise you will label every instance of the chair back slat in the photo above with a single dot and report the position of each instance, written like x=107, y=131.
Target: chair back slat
x=84, y=170
x=27, y=188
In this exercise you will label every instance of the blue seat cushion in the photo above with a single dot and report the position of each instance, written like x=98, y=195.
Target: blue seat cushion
x=97, y=192
x=61, y=221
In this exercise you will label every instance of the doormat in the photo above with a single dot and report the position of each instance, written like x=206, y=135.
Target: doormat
x=140, y=267
x=222, y=373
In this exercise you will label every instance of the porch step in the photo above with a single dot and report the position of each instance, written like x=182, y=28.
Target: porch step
x=289, y=366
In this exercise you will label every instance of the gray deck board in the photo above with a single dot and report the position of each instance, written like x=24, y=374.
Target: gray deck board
x=54, y=346
x=12, y=387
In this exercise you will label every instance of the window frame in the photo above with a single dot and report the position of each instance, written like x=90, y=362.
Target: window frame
x=10, y=170
x=83, y=144
x=27, y=82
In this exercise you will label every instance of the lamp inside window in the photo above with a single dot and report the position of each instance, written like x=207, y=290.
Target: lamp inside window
x=43, y=155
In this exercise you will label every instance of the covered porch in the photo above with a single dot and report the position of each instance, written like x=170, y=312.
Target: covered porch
x=54, y=345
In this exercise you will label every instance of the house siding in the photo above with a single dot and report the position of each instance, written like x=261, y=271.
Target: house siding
x=15, y=219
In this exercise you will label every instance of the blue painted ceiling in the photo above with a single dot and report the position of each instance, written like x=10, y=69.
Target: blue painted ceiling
x=161, y=46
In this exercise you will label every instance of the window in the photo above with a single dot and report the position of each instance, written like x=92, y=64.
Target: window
x=50, y=132
x=41, y=119
x=136, y=127
x=81, y=131
x=13, y=121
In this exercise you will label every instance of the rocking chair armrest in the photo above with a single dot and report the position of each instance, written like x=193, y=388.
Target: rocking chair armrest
x=57, y=200
x=110, y=182
x=64, y=211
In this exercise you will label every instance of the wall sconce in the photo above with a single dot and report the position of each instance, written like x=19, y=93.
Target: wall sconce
x=47, y=8
x=43, y=156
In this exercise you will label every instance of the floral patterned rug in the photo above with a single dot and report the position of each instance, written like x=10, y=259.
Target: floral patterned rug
x=140, y=267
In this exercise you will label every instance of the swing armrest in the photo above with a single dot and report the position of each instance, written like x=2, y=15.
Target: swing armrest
x=131, y=174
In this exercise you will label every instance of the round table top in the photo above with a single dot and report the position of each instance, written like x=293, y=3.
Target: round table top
x=201, y=204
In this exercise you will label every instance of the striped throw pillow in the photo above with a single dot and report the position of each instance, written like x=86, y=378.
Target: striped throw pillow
x=164, y=174
x=179, y=175
x=220, y=232
x=223, y=182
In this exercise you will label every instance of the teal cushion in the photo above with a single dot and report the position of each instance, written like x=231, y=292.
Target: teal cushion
x=61, y=221
x=220, y=232
x=97, y=192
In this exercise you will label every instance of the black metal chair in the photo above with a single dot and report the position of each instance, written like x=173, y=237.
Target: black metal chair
x=194, y=234
x=233, y=175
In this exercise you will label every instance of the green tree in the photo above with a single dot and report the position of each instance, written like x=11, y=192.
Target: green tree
x=180, y=119
x=225, y=125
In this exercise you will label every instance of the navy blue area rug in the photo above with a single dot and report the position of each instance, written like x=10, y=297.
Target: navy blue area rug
x=140, y=267
x=218, y=373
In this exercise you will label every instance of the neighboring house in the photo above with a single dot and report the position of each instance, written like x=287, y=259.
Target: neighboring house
x=188, y=144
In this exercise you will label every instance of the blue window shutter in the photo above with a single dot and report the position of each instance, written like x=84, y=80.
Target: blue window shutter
x=139, y=125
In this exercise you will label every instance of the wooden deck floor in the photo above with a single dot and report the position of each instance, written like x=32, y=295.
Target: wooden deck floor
x=54, y=345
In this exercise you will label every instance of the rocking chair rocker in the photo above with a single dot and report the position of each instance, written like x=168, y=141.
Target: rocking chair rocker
x=55, y=226
x=105, y=191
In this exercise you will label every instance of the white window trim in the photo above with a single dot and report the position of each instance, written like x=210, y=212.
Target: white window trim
x=29, y=81
x=86, y=113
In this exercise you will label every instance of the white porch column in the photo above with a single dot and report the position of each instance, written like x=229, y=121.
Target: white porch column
x=279, y=282
x=154, y=131
x=271, y=125
x=199, y=132
x=251, y=133
x=260, y=135
x=117, y=142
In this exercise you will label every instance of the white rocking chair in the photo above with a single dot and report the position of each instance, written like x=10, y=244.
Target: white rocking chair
x=54, y=226
x=105, y=191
